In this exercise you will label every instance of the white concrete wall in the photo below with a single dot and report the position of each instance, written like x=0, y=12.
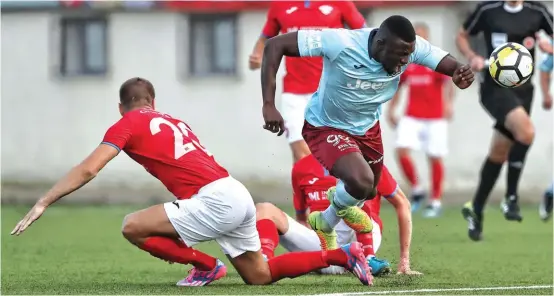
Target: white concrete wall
x=50, y=123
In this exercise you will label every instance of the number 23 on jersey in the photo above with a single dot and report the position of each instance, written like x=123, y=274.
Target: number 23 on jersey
x=183, y=143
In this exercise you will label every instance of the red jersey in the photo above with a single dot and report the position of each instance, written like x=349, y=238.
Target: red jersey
x=167, y=149
x=310, y=183
x=425, y=92
x=303, y=74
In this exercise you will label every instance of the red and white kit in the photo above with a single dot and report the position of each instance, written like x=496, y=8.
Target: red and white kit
x=210, y=205
x=424, y=127
x=302, y=74
x=310, y=184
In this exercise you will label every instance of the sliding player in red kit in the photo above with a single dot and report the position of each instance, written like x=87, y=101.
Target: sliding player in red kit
x=210, y=205
x=310, y=184
x=424, y=127
x=302, y=74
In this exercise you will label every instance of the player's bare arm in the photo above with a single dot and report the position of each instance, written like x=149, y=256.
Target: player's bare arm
x=274, y=50
x=461, y=74
x=403, y=211
x=255, y=58
x=545, y=77
x=75, y=179
x=476, y=61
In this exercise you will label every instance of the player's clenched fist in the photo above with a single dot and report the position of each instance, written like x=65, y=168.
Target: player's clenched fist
x=273, y=120
x=463, y=77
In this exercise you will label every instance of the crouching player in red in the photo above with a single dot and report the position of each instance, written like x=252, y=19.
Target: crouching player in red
x=210, y=204
x=310, y=184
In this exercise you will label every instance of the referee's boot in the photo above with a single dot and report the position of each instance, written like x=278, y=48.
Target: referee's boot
x=510, y=208
x=474, y=221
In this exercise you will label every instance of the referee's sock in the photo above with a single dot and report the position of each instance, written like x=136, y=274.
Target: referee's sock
x=516, y=161
x=489, y=174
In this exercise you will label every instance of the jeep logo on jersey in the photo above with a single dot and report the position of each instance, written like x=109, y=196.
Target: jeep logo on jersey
x=364, y=85
x=326, y=9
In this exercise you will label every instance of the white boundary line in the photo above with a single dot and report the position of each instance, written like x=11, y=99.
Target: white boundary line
x=438, y=290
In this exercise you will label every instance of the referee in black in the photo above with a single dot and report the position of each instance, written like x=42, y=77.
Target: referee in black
x=501, y=22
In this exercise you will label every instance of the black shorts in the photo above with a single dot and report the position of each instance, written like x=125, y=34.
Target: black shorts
x=499, y=101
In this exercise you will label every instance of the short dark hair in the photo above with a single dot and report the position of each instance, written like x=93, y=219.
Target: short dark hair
x=398, y=26
x=136, y=89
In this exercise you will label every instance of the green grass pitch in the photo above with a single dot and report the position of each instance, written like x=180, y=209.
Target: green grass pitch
x=80, y=250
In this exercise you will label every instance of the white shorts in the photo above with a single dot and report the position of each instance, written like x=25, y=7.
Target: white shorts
x=430, y=135
x=292, y=110
x=222, y=211
x=300, y=238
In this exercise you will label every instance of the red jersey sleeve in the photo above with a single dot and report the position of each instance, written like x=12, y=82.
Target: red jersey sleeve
x=119, y=134
x=387, y=185
x=298, y=197
x=351, y=16
x=271, y=27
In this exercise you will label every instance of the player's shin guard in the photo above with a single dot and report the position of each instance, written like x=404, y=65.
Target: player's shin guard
x=173, y=250
x=489, y=174
x=269, y=237
x=516, y=161
x=291, y=265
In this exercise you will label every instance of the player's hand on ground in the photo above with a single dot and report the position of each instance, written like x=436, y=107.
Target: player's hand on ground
x=273, y=120
x=404, y=268
x=31, y=217
x=463, y=77
x=477, y=63
x=547, y=101
x=254, y=61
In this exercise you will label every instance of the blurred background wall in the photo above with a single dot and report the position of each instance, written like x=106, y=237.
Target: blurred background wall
x=63, y=62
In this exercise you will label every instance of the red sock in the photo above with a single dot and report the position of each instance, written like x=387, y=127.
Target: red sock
x=295, y=264
x=269, y=237
x=176, y=251
x=408, y=169
x=437, y=172
x=366, y=239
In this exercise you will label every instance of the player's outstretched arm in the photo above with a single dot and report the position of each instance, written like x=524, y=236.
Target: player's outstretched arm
x=403, y=211
x=75, y=179
x=461, y=74
x=274, y=50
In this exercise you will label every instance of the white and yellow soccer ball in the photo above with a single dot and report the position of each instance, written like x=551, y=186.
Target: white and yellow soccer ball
x=510, y=65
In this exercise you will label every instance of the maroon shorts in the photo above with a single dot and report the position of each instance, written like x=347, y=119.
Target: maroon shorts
x=329, y=144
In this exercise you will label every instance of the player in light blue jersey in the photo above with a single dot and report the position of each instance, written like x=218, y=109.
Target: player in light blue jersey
x=361, y=71
x=545, y=207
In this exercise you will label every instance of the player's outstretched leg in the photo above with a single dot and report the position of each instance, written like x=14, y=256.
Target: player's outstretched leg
x=151, y=231
x=545, y=207
x=356, y=183
x=254, y=270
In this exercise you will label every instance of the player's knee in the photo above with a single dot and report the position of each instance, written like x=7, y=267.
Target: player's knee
x=526, y=135
x=265, y=210
x=130, y=229
x=360, y=184
x=402, y=152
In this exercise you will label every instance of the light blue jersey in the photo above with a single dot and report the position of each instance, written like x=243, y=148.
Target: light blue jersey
x=353, y=85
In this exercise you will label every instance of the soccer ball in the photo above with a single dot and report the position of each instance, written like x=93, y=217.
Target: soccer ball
x=510, y=65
